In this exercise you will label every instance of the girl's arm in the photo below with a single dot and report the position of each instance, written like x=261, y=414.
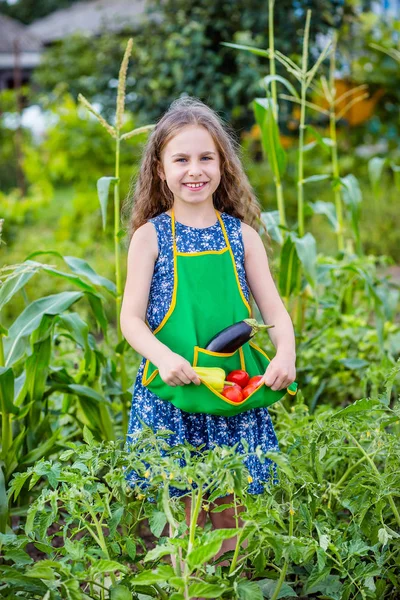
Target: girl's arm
x=281, y=371
x=142, y=254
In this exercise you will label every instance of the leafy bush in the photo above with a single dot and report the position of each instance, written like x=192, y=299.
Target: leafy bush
x=326, y=528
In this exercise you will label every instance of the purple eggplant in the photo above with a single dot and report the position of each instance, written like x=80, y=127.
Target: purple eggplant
x=234, y=336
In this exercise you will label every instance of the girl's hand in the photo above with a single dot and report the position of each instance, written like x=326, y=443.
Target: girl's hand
x=175, y=370
x=281, y=371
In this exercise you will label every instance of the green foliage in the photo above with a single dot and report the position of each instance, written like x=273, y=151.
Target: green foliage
x=322, y=522
x=29, y=10
x=11, y=133
x=358, y=43
x=184, y=56
x=77, y=151
x=69, y=63
x=25, y=190
x=50, y=357
x=377, y=213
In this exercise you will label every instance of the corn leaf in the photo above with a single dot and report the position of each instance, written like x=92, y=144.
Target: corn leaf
x=30, y=319
x=375, y=169
x=80, y=267
x=266, y=81
x=289, y=266
x=306, y=248
x=103, y=188
x=325, y=208
x=271, y=222
x=252, y=49
x=264, y=114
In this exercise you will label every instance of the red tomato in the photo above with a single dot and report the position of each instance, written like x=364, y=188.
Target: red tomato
x=239, y=377
x=233, y=393
x=249, y=389
x=255, y=379
x=234, y=385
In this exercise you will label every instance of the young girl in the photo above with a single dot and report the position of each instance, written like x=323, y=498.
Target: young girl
x=192, y=196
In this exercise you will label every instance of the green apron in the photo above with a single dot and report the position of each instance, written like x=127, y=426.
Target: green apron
x=207, y=297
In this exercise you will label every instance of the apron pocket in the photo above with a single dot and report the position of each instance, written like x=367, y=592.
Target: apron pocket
x=228, y=361
x=249, y=358
x=203, y=398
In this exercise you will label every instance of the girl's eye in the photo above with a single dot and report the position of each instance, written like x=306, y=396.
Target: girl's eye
x=178, y=159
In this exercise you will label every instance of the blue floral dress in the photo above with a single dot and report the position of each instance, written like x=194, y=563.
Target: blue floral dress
x=255, y=426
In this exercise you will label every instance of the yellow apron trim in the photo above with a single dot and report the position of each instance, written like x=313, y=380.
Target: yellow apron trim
x=173, y=301
x=227, y=399
x=234, y=264
x=266, y=356
x=242, y=363
x=145, y=380
x=176, y=254
x=259, y=349
x=197, y=349
x=220, y=395
x=205, y=252
x=203, y=382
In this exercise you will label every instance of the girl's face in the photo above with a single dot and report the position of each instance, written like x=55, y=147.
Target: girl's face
x=191, y=157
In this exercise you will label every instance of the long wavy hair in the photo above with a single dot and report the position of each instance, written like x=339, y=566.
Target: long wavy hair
x=149, y=195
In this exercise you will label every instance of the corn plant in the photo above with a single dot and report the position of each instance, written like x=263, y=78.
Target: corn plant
x=296, y=252
x=299, y=272
x=266, y=112
x=49, y=353
x=103, y=186
x=51, y=366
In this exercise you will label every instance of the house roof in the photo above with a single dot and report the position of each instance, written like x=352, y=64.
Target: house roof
x=12, y=31
x=89, y=17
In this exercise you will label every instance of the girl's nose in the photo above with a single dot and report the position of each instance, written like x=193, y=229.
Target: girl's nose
x=195, y=171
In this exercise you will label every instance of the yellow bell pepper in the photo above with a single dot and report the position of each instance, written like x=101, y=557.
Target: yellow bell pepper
x=214, y=376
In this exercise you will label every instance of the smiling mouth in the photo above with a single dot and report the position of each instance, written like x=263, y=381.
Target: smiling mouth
x=197, y=186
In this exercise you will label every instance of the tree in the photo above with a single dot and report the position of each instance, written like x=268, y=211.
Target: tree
x=181, y=53
x=27, y=11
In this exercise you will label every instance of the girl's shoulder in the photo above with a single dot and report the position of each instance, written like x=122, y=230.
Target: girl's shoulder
x=230, y=219
x=162, y=225
x=159, y=220
x=233, y=226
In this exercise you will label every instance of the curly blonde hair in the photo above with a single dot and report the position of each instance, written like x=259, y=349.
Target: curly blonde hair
x=150, y=196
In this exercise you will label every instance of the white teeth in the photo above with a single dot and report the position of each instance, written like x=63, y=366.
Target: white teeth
x=194, y=184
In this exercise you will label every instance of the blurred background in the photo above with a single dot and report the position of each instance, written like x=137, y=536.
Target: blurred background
x=52, y=151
